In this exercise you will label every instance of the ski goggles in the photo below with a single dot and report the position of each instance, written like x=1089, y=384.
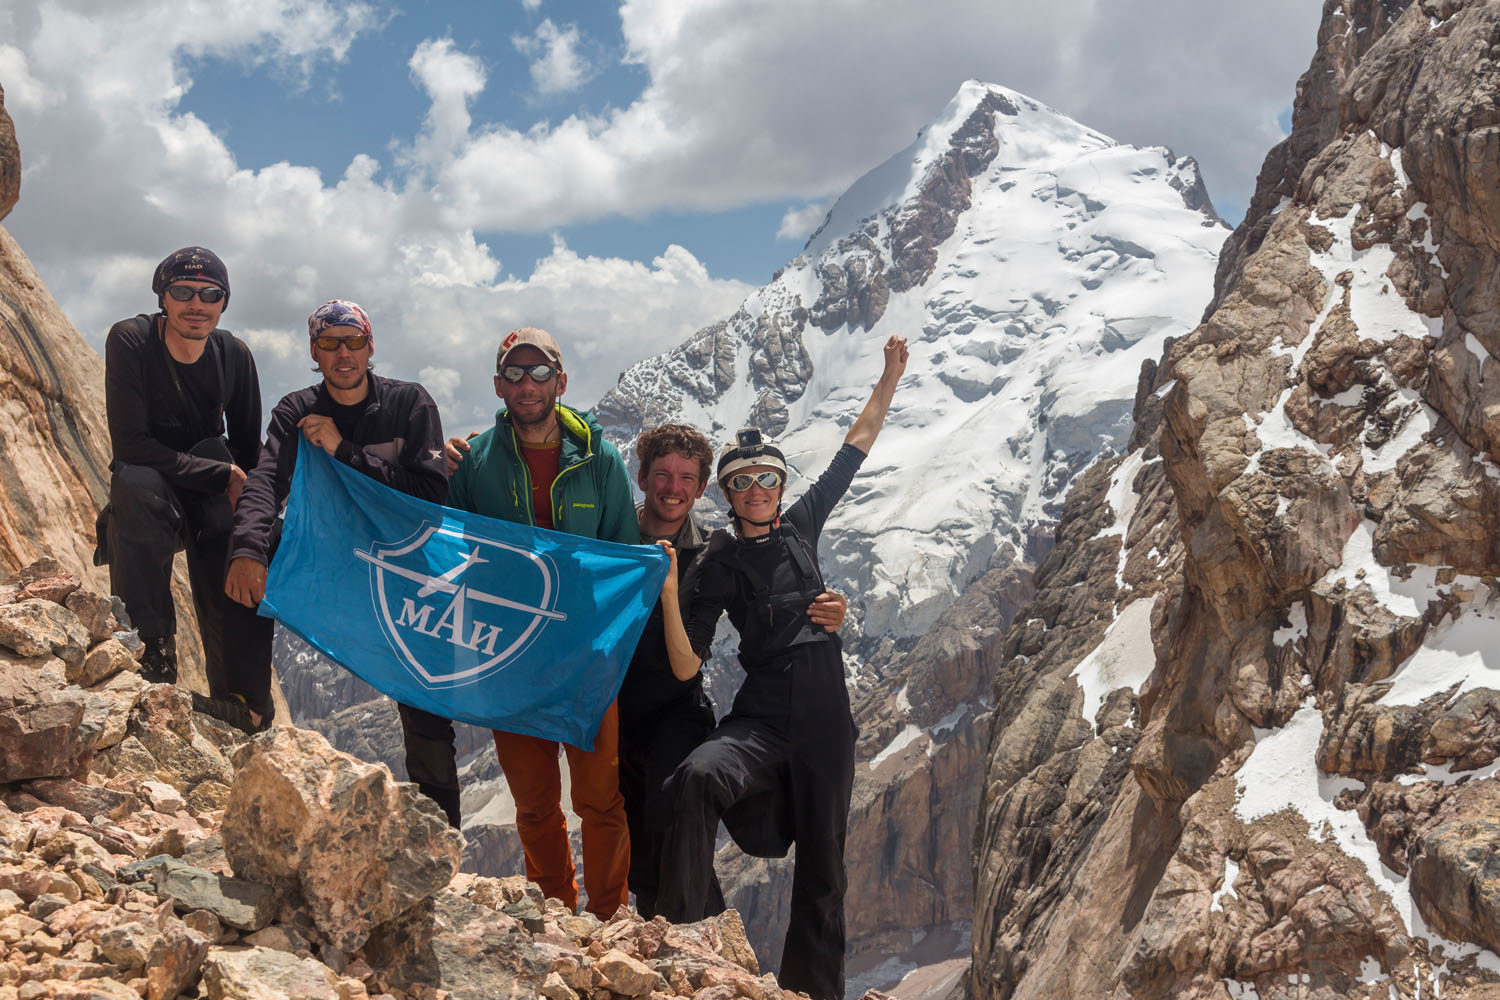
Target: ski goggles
x=185, y=293
x=742, y=481
x=355, y=343
x=538, y=373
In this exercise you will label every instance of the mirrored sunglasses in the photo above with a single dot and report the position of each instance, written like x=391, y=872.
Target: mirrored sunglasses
x=742, y=481
x=354, y=343
x=184, y=293
x=538, y=373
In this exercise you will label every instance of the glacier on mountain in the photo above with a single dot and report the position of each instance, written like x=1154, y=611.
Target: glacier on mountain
x=1034, y=264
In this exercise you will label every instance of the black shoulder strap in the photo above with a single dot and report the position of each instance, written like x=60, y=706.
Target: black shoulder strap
x=806, y=562
x=760, y=590
x=216, y=344
x=216, y=427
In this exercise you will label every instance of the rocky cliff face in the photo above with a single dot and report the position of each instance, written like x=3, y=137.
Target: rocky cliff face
x=1243, y=741
x=146, y=851
x=55, y=443
x=54, y=439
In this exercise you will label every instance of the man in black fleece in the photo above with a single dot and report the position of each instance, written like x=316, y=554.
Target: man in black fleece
x=386, y=429
x=183, y=404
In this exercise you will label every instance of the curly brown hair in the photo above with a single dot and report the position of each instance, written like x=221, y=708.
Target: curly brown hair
x=669, y=438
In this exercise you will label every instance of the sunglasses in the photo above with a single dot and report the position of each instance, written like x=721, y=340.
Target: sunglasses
x=742, y=481
x=356, y=342
x=538, y=373
x=185, y=293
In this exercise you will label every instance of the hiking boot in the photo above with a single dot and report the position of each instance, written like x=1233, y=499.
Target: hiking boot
x=159, y=661
x=231, y=709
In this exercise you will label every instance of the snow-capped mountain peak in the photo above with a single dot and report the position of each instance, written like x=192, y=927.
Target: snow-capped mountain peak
x=1033, y=263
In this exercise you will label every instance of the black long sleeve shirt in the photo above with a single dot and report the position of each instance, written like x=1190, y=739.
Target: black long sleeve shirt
x=723, y=586
x=397, y=439
x=149, y=425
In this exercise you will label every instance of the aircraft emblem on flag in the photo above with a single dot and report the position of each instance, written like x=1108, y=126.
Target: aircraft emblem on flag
x=450, y=628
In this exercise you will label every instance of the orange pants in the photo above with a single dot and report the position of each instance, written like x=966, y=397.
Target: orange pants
x=531, y=770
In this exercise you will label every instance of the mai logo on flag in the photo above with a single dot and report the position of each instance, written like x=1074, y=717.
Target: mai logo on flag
x=452, y=627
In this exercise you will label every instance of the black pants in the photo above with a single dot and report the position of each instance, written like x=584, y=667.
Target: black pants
x=651, y=748
x=152, y=521
x=431, y=758
x=790, y=739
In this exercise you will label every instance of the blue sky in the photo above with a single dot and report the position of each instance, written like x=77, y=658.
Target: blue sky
x=621, y=174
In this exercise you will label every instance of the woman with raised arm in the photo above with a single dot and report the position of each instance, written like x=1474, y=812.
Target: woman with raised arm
x=779, y=768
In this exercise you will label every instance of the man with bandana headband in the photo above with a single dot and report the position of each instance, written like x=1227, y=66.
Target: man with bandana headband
x=388, y=430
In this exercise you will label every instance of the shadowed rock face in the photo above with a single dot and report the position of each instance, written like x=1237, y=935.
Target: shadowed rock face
x=136, y=860
x=10, y=162
x=54, y=453
x=1314, y=521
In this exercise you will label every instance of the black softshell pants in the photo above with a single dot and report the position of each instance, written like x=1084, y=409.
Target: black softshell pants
x=432, y=758
x=650, y=751
x=152, y=521
x=789, y=739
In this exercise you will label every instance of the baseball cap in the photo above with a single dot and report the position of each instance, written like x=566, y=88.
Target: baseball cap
x=529, y=336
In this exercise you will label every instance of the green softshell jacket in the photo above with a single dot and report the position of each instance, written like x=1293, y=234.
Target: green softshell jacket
x=591, y=495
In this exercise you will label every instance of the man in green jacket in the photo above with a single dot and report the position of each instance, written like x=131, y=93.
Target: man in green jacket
x=548, y=465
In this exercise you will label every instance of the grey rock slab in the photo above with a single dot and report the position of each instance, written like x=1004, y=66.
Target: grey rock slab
x=243, y=905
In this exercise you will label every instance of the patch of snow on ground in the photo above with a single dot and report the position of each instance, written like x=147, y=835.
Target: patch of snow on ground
x=1352, y=396
x=1123, y=499
x=1276, y=431
x=1297, y=615
x=1421, y=420
x=1226, y=887
x=1379, y=311
x=1359, y=554
x=900, y=742
x=1125, y=657
x=1282, y=774
x=1476, y=348
x=1459, y=651
x=1120, y=497
x=949, y=722
x=1419, y=211
x=1240, y=991
x=1445, y=775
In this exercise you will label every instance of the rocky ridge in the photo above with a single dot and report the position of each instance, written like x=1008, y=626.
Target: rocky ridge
x=146, y=851
x=1243, y=740
x=54, y=452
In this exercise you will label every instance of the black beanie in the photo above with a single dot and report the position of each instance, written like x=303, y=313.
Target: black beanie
x=194, y=264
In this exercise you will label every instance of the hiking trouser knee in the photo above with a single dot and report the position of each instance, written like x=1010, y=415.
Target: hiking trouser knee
x=534, y=777
x=145, y=532
x=595, y=779
x=647, y=760
x=431, y=758
x=740, y=757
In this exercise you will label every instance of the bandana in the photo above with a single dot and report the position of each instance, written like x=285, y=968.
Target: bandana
x=338, y=312
x=191, y=264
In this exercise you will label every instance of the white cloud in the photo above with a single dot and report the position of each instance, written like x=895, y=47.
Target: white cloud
x=531, y=5
x=559, y=67
x=450, y=79
x=121, y=179
x=800, y=223
x=787, y=102
x=740, y=104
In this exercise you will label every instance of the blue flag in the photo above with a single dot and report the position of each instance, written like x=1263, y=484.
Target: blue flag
x=498, y=624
